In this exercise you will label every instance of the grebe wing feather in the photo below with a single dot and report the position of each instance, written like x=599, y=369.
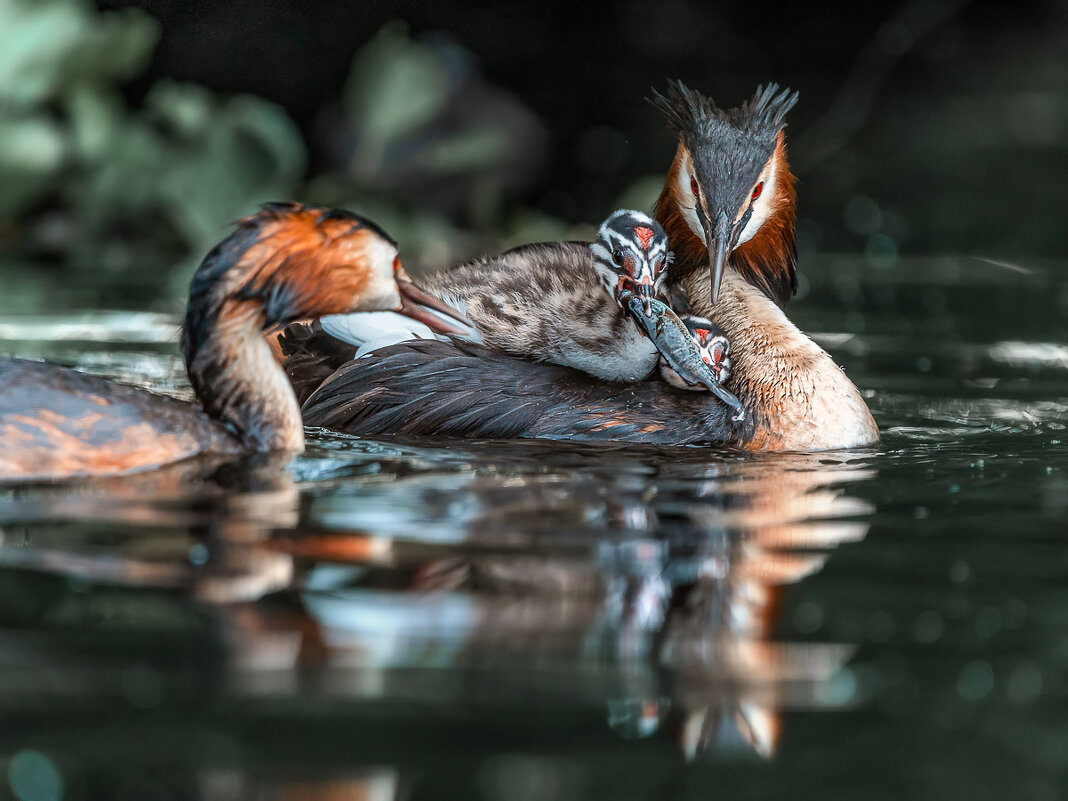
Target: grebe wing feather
x=432, y=388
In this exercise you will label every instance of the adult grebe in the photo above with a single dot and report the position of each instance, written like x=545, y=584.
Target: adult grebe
x=57, y=423
x=728, y=207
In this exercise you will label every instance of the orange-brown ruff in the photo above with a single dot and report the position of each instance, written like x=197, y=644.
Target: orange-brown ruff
x=285, y=263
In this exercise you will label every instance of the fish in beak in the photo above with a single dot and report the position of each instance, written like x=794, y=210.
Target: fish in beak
x=675, y=343
x=644, y=290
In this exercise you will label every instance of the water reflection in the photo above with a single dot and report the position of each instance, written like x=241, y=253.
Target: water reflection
x=644, y=583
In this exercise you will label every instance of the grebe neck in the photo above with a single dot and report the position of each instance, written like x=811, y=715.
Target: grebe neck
x=237, y=379
x=800, y=399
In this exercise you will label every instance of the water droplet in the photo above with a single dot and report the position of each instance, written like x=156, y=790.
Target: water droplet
x=199, y=554
x=808, y=617
x=881, y=251
x=1024, y=683
x=34, y=777
x=976, y=681
x=924, y=364
x=928, y=627
x=959, y=572
x=921, y=513
x=840, y=689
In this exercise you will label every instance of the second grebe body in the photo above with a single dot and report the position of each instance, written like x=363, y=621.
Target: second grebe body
x=59, y=423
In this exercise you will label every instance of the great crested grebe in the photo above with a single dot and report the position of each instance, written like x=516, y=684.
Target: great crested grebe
x=728, y=206
x=587, y=306
x=55, y=422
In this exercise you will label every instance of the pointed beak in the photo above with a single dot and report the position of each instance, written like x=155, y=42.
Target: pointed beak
x=718, y=243
x=644, y=290
x=424, y=307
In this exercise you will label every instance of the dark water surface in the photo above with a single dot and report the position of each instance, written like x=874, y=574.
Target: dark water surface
x=410, y=620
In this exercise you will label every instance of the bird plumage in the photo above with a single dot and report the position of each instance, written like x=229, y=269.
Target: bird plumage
x=460, y=389
x=58, y=423
x=556, y=302
x=736, y=160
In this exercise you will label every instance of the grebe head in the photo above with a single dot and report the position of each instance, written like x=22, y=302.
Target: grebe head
x=630, y=255
x=712, y=343
x=713, y=346
x=296, y=261
x=285, y=263
x=730, y=180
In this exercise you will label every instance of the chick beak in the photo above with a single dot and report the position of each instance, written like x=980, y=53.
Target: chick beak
x=643, y=290
x=424, y=307
x=718, y=244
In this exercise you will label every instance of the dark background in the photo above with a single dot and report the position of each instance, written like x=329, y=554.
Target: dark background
x=926, y=128
x=952, y=116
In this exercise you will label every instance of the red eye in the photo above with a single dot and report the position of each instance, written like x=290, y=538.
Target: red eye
x=757, y=190
x=694, y=188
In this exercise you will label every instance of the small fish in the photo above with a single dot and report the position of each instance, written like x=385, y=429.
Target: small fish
x=676, y=344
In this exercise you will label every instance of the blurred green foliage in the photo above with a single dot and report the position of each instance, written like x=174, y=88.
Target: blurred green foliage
x=430, y=149
x=57, y=57
x=125, y=200
x=166, y=176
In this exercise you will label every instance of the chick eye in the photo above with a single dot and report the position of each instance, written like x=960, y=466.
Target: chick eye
x=694, y=187
x=757, y=190
x=617, y=258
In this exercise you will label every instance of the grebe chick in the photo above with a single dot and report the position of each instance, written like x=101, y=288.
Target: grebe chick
x=590, y=307
x=712, y=344
x=59, y=423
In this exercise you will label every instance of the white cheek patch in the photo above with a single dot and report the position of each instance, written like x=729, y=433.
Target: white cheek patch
x=381, y=291
x=762, y=207
x=689, y=210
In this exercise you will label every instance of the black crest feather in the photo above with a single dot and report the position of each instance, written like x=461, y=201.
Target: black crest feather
x=693, y=114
